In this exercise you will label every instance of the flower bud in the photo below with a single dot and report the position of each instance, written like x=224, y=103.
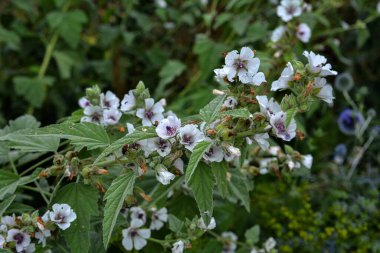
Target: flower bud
x=217, y=92
x=344, y=82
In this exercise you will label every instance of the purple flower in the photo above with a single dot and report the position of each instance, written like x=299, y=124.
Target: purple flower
x=350, y=120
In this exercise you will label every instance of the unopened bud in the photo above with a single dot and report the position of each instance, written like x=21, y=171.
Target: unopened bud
x=163, y=101
x=217, y=92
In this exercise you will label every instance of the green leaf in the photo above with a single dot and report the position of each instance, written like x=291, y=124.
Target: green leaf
x=89, y=135
x=8, y=183
x=137, y=135
x=68, y=24
x=175, y=224
x=29, y=143
x=114, y=197
x=32, y=177
x=65, y=63
x=195, y=157
x=252, y=235
x=290, y=114
x=211, y=111
x=220, y=171
x=33, y=89
x=6, y=203
x=237, y=113
x=83, y=199
x=240, y=187
x=168, y=72
x=240, y=23
x=202, y=184
x=10, y=38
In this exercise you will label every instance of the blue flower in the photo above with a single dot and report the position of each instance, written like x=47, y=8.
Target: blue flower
x=350, y=120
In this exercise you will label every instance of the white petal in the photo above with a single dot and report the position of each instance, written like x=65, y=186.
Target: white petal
x=246, y=54
x=139, y=242
x=258, y=79
x=127, y=243
x=231, y=57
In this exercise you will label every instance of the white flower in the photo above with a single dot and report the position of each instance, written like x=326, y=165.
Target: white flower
x=9, y=221
x=269, y=244
x=111, y=116
x=303, y=32
x=261, y=140
x=178, y=164
x=230, y=102
x=307, y=161
x=326, y=91
x=138, y=217
x=318, y=64
x=134, y=237
x=178, y=247
x=285, y=78
x=231, y=153
x=128, y=102
x=158, y=218
x=289, y=9
x=62, y=215
x=2, y=242
x=109, y=100
x=145, y=145
x=84, y=102
x=163, y=147
x=151, y=113
x=201, y=224
x=168, y=127
x=278, y=122
x=245, y=66
x=190, y=135
x=255, y=250
x=93, y=114
x=265, y=163
x=229, y=242
x=278, y=33
x=268, y=108
x=44, y=232
x=214, y=154
x=21, y=239
x=164, y=176
x=161, y=3
x=221, y=75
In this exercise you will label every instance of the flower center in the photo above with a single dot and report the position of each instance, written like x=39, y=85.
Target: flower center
x=187, y=139
x=134, y=233
x=140, y=216
x=240, y=64
x=290, y=9
x=19, y=238
x=162, y=144
x=149, y=114
x=280, y=126
x=170, y=130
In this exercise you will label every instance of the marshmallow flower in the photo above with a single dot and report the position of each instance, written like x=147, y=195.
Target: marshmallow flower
x=128, y=102
x=134, y=237
x=303, y=33
x=111, y=116
x=158, y=218
x=109, y=100
x=244, y=66
x=84, y=102
x=214, y=154
x=278, y=33
x=268, y=108
x=21, y=239
x=201, y=224
x=163, y=147
x=229, y=242
x=261, y=140
x=164, y=176
x=190, y=135
x=221, y=75
x=2, y=241
x=278, y=123
x=93, y=114
x=231, y=153
x=318, y=64
x=230, y=102
x=269, y=244
x=178, y=247
x=289, y=9
x=62, y=215
x=151, y=113
x=285, y=78
x=325, y=90
x=138, y=217
x=168, y=127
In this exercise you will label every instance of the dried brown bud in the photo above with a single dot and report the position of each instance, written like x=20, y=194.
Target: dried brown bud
x=297, y=77
x=211, y=132
x=102, y=172
x=300, y=135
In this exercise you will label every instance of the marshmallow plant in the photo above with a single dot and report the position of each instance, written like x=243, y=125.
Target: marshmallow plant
x=131, y=154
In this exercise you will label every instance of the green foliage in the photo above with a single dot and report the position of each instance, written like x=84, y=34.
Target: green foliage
x=195, y=158
x=115, y=197
x=211, y=111
x=220, y=171
x=6, y=203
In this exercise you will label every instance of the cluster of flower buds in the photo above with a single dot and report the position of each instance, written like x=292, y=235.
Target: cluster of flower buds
x=17, y=232
x=288, y=10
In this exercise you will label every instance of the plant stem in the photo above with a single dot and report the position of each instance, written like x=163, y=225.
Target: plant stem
x=42, y=192
x=349, y=100
x=48, y=54
x=12, y=164
x=33, y=189
x=111, y=162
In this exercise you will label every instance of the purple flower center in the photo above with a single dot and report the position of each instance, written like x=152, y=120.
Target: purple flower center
x=240, y=64
x=106, y=103
x=290, y=9
x=170, y=130
x=60, y=218
x=140, y=216
x=133, y=233
x=19, y=238
x=188, y=139
x=149, y=114
x=280, y=126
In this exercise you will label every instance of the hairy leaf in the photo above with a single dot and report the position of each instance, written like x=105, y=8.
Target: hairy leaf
x=211, y=111
x=240, y=187
x=237, y=113
x=8, y=183
x=220, y=171
x=114, y=197
x=6, y=203
x=83, y=199
x=202, y=184
x=195, y=157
